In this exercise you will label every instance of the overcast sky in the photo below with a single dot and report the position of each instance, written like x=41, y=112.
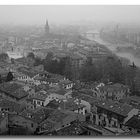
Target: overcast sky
x=67, y=14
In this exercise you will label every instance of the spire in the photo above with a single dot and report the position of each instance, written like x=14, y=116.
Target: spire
x=47, y=27
x=47, y=22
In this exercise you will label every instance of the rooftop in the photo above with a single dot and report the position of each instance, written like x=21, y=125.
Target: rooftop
x=84, y=97
x=113, y=88
x=57, y=90
x=71, y=130
x=70, y=105
x=27, y=71
x=47, y=125
x=115, y=107
x=134, y=122
x=57, y=116
x=41, y=95
x=38, y=115
x=66, y=82
x=13, y=89
x=11, y=105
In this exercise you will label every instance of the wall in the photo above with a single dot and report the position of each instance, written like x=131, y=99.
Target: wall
x=26, y=123
x=4, y=125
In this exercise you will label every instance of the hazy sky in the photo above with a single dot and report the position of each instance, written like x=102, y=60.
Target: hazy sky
x=67, y=14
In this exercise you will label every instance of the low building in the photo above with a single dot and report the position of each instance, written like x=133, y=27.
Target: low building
x=41, y=98
x=3, y=122
x=134, y=101
x=58, y=120
x=133, y=125
x=112, y=114
x=30, y=119
x=66, y=84
x=11, y=106
x=27, y=75
x=70, y=104
x=113, y=92
x=13, y=91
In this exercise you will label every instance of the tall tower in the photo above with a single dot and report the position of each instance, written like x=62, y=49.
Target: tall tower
x=47, y=27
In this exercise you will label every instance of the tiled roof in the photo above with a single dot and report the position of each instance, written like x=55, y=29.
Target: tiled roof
x=47, y=125
x=57, y=90
x=134, y=98
x=134, y=122
x=87, y=92
x=12, y=106
x=37, y=115
x=72, y=130
x=57, y=116
x=113, y=88
x=84, y=97
x=65, y=82
x=29, y=72
x=70, y=105
x=44, y=87
x=53, y=104
x=116, y=107
x=13, y=89
x=41, y=95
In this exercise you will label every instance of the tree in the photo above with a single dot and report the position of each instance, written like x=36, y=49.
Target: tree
x=31, y=55
x=9, y=77
x=38, y=61
x=49, y=56
x=3, y=56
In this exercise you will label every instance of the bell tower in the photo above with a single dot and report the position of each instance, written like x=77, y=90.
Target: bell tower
x=47, y=27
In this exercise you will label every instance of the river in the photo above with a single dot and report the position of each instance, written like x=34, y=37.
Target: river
x=126, y=55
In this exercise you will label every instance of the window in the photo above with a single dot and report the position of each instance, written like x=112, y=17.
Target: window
x=38, y=102
x=115, y=124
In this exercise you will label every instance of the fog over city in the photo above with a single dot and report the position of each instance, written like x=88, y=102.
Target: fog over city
x=68, y=14
x=70, y=70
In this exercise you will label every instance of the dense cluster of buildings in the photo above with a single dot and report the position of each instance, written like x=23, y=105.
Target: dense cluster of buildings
x=37, y=102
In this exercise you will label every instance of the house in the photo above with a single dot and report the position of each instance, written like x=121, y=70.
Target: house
x=52, y=82
x=60, y=93
x=86, y=98
x=41, y=98
x=25, y=61
x=57, y=120
x=18, y=122
x=67, y=84
x=113, y=92
x=11, y=106
x=3, y=122
x=40, y=87
x=27, y=75
x=133, y=125
x=70, y=104
x=30, y=119
x=112, y=114
x=13, y=91
x=74, y=129
x=134, y=101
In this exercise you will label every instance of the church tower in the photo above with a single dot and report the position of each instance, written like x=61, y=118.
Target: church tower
x=47, y=27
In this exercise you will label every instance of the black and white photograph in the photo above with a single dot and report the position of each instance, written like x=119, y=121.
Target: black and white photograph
x=70, y=70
